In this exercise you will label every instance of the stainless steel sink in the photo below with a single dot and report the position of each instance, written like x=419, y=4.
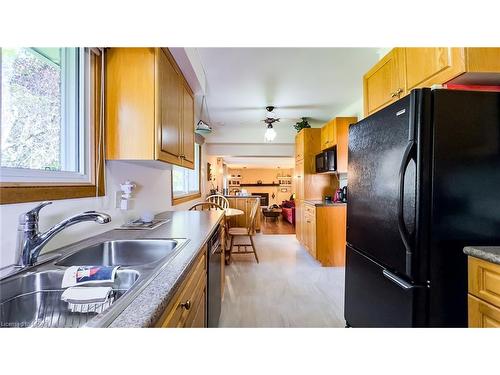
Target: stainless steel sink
x=32, y=298
x=121, y=253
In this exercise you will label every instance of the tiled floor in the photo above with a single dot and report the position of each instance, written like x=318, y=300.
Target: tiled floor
x=286, y=289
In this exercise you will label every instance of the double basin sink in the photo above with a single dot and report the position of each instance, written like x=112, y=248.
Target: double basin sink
x=32, y=298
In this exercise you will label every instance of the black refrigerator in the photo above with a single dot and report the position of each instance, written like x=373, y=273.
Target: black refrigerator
x=424, y=181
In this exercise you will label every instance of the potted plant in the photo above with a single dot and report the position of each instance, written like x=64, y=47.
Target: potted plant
x=302, y=124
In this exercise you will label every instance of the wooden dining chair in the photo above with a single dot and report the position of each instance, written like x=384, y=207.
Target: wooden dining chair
x=218, y=199
x=249, y=232
x=205, y=206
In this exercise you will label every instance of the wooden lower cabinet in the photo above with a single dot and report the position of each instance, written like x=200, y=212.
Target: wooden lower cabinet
x=323, y=233
x=188, y=306
x=483, y=314
x=484, y=293
x=299, y=219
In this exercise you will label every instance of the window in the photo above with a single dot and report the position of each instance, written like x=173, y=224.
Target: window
x=49, y=101
x=186, y=182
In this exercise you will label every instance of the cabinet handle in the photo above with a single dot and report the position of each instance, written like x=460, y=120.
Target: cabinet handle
x=186, y=305
x=397, y=93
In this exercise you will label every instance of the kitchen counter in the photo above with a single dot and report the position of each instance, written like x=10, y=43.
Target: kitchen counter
x=147, y=307
x=487, y=253
x=319, y=203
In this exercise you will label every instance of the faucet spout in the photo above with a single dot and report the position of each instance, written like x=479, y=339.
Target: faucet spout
x=31, y=241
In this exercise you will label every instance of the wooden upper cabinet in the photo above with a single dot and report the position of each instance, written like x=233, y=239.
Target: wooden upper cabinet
x=328, y=135
x=149, y=107
x=324, y=136
x=405, y=69
x=427, y=66
x=299, y=145
x=342, y=134
x=188, y=128
x=169, y=111
x=383, y=84
x=335, y=133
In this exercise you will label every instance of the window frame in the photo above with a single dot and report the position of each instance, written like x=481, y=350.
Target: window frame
x=187, y=197
x=91, y=182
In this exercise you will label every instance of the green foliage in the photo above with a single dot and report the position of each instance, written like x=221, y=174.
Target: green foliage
x=302, y=124
x=31, y=111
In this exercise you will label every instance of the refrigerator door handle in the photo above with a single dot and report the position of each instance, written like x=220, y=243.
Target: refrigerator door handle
x=403, y=231
x=399, y=281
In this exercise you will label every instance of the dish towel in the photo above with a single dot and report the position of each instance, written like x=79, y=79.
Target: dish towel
x=83, y=275
x=88, y=299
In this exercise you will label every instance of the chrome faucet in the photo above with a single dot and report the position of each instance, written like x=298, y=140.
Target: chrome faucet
x=30, y=241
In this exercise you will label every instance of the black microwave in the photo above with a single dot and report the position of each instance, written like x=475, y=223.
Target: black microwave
x=326, y=161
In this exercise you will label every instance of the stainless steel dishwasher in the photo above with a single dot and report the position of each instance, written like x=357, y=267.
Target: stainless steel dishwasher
x=214, y=297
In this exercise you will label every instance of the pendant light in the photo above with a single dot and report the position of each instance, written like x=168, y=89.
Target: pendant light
x=270, y=133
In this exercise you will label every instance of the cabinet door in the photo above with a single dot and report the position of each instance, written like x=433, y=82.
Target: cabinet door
x=187, y=128
x=332, y=133
x=425, y=67
x=299, y=180
x=383, y=84
x=482, y=314
x=182, y=311
x=170, y=104
x=310, y=224
x=324, y=136
x=299, y=220
x=342, y=132
x=299, y=146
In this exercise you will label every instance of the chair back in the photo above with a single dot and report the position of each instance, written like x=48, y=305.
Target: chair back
x=253, y=215
x=218, y=199
x=205, y=206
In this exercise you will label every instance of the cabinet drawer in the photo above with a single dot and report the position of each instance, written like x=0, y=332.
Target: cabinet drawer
x=482, y=314
x=182, y=312
x=308, y=209
x=484, y=280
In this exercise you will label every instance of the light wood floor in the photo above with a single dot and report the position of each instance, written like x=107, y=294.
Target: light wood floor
x=287, y=288
x=278, y=226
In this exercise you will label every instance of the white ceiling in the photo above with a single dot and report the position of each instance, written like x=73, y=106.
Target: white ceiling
x=301, y=82
x=259, y=162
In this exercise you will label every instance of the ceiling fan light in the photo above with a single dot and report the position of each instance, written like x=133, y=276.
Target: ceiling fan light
x=270, y=134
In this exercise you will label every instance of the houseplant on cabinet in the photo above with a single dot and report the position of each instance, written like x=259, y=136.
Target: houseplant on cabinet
x=302, y=124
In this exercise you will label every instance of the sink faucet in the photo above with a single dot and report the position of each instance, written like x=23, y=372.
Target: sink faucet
x=31, y=241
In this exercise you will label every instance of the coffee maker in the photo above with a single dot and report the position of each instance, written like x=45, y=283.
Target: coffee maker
x=341, y=195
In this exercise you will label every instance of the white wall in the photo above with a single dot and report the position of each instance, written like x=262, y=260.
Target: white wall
x=251, y=149
x=152, y=193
